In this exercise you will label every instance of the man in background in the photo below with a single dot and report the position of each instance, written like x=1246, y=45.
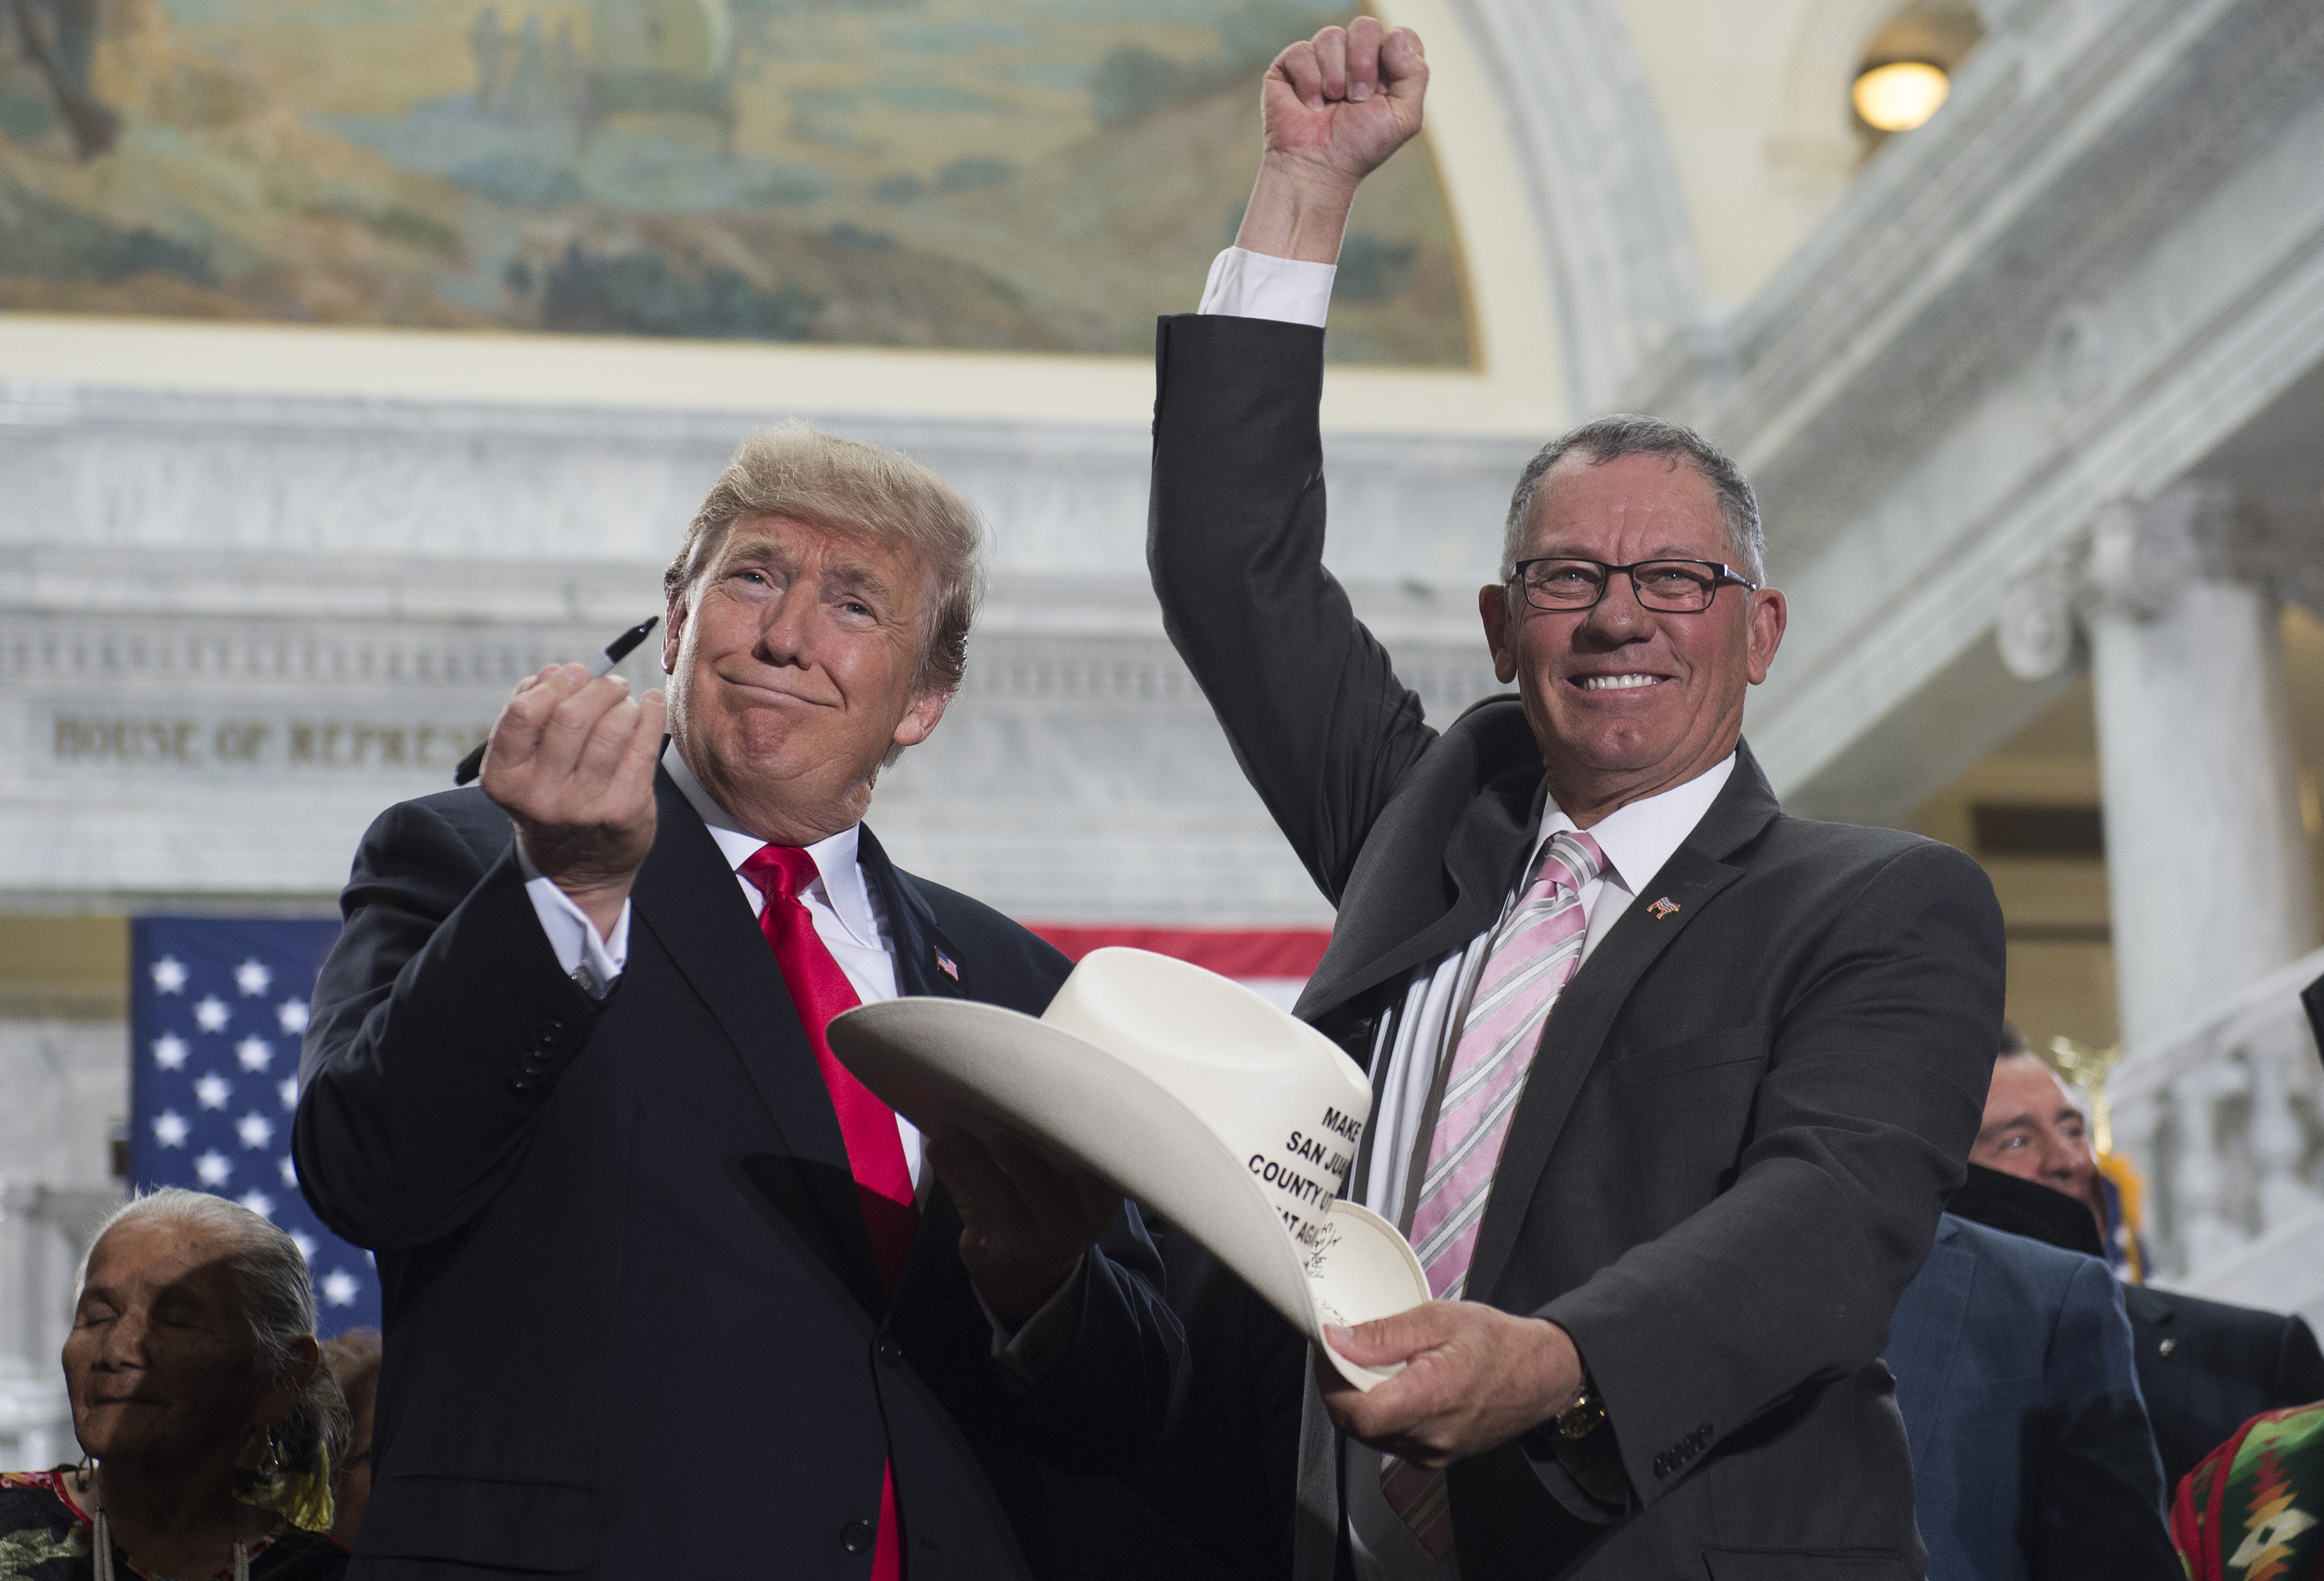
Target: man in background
x=2204, y=1367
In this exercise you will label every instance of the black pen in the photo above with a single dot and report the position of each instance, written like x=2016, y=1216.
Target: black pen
x=618, y=649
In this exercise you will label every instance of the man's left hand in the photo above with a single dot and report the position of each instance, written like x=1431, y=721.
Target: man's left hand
x=1025, y=1221
x=1474, y=1378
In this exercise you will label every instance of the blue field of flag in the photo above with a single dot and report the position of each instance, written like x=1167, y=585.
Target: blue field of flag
x=218, y=1009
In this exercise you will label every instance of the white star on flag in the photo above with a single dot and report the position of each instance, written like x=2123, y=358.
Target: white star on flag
x=220, y=1007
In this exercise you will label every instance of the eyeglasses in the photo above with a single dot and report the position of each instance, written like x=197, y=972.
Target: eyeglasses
x=1681, y=587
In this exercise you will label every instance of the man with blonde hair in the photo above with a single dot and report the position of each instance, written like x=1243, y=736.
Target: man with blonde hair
x=667, y=1291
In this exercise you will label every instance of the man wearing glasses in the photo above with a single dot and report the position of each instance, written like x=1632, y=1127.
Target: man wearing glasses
x=1670, y=1086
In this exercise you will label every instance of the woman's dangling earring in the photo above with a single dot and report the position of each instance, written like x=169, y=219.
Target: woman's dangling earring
x=270, y=1464
x=87, y=1470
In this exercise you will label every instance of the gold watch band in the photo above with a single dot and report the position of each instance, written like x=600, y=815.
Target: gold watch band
x=1585, y=1415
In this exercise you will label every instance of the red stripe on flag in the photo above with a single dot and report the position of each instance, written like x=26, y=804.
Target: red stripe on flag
x=1229, y=951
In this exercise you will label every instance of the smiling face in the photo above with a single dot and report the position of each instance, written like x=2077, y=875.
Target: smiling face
x=793, y=661
x=1627, y=701
x=159, y=1365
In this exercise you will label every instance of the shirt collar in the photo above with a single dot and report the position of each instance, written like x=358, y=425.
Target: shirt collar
x=1639, y=837
x=838, y=874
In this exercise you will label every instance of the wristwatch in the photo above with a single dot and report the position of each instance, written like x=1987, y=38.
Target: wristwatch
x=1585, y=1416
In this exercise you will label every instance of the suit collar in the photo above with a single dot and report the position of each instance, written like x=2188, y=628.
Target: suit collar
x=1638, y=838
x=1482, y=858
x=1492, y=836
x=838, y=873
x=1743, y=806
x=927, y=962
x=686, y=896
x=1576, y=1036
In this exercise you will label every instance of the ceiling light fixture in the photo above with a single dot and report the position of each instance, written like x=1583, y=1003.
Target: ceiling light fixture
x=1901, y=95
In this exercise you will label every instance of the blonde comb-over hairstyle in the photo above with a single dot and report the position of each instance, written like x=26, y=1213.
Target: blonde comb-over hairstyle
x=863, y=492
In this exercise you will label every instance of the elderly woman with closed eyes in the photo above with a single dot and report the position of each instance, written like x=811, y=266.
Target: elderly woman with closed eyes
x=209, y=1428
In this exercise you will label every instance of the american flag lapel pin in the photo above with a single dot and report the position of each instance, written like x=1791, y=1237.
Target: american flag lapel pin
x=945, y=963
x=1665, y=908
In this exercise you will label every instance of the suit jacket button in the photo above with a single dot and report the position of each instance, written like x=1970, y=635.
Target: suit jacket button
x=855, y=1536
x=519, y=1084
x=890, y=1352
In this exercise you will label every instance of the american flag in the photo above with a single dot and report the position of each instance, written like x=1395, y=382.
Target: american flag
x=218, y=1009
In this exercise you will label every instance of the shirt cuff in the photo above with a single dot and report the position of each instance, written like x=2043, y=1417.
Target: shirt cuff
x=1258, y=285
x=594, y=964
x=1033, y=1350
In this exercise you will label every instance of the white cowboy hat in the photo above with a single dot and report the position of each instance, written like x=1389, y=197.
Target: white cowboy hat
x=1188, y=1093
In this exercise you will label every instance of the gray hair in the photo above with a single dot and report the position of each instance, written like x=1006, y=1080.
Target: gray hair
x=1610, y=439
x=863, y=491
x=275, y=1299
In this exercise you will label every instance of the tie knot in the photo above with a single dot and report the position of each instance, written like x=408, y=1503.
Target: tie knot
x=779, y=870
x=1571, y=860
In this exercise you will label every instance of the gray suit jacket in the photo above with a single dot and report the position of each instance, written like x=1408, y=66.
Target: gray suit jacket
x=1742, y=1120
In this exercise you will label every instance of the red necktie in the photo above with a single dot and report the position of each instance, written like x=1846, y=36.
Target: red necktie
x=875, y=1151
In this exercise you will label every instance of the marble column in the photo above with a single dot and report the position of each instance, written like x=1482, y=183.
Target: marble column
x=2205, y=852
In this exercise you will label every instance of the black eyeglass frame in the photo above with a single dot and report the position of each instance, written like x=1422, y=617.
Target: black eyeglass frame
x=1722, y=574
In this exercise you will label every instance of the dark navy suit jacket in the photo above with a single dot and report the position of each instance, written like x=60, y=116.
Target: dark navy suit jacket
x=634, y=1325
x=2032, y=1458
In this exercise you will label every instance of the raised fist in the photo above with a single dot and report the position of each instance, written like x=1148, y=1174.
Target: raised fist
x=1343, y=101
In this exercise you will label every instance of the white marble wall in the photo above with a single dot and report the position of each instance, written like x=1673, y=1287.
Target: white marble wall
x=237, y=628
x=65, y=1083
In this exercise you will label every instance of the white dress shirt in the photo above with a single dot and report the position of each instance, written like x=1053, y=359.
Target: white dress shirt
x=1637, y=840
x=1258, y=285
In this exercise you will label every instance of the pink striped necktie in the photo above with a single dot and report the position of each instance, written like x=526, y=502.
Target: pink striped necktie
x=1534, y=955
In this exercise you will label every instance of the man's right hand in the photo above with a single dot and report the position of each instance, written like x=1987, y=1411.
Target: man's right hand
x=572, y=761
x=1333, y=108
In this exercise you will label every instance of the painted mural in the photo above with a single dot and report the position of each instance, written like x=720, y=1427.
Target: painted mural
x=1021, y=175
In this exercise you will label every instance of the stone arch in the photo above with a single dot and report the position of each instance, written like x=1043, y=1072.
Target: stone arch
x=1603, y=185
